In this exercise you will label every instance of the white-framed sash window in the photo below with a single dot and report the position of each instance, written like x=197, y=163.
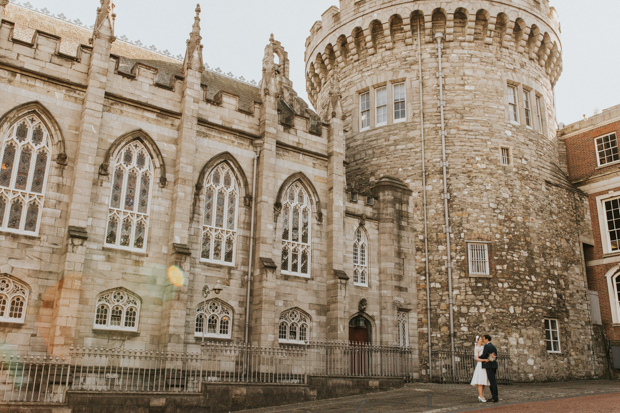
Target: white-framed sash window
x=528, y=108
x=513, y=104
x=552, y=336
x=607, y=149
x=364, y=111
x=400, y=102
x=381, y=105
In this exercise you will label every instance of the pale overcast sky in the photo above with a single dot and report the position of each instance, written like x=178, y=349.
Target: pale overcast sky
x=235, y=33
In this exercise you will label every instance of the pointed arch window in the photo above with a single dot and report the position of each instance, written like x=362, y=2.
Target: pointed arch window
x=130, y=199
x=24, y=169
x=13, y=300
x=294, y=327
x=219, y=231
x=403, y=329
x=360, y=258
x=296, y=228
x=117, y=309
x=214, y=319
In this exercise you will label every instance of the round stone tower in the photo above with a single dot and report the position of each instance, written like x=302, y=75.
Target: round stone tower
x=455, y=99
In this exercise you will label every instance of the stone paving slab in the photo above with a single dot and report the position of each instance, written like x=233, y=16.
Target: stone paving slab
x=415, y=397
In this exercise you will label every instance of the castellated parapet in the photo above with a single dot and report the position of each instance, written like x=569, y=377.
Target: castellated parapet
x=491, y=102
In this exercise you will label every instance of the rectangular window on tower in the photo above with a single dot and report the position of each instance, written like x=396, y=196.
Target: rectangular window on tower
x=552, y=336
x=365, y=111
x=513, y=105
x=539, y=112
x=505, y=156
x=400, y=111
x=381, y=103
x=528, y=108
x=478, y=257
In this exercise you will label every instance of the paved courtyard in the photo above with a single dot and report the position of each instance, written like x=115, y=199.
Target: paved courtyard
x=576, y=396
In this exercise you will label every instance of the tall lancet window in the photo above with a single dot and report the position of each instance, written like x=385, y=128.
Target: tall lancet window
x=360, y=258
x=25, y=156
x=130, y=200
x=219, y=231
x=296, y=226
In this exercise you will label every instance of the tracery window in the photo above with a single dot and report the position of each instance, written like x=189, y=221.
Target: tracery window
x=218, y=317
x=360, y=258
x=117, y=309
x=294, y=327
x=296, y=226
x=130, y=199
x=25, y=155
x=13, y=300
x=219, y=231
x=403, y=329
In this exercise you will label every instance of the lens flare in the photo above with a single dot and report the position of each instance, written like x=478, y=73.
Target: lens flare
x=176, y=275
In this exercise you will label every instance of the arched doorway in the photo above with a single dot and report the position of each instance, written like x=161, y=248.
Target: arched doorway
x=360, y=330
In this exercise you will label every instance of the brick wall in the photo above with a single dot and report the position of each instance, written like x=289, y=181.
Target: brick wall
x=581, y=152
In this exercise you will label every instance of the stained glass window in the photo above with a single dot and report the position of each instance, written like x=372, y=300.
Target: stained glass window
x=360, y=264
x=221, y=206
x=296, y=225
x=219, y=316
x=117, y=309
x=132, y=184
x=294, y=327
x=25, y=155
x=13, y=300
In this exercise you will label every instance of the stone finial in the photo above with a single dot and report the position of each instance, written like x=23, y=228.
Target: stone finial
x=193, y=54
x=4, y=2
x=104, y=25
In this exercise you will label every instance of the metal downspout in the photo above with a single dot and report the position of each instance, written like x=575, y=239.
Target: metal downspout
x=446, y=195
x=247, y=300
x=426, y=271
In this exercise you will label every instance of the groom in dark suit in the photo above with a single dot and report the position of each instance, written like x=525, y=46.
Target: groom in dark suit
x=490, y=353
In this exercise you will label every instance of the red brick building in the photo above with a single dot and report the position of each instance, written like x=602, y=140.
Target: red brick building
x=593, y=166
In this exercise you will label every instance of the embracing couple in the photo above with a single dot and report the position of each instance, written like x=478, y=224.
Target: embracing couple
x=485, y=354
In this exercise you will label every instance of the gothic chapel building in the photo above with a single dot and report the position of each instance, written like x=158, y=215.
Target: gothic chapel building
x=422, y=203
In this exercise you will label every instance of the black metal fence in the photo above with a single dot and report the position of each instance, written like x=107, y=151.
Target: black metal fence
x=464, y=366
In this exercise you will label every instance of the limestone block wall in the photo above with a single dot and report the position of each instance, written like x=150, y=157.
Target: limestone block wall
x=517, y=210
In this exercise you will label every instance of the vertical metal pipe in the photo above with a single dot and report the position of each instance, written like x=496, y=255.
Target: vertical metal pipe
x=247, y=299
x=438, y=38
x=426, y=271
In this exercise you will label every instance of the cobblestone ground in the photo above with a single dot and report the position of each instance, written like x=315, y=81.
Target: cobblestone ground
x=577, y=396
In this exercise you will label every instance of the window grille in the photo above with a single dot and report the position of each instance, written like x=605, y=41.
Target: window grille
x=365, y=111
x=607, y=148
x=26, y=153
x=381, y=104
x=360, y=258
x=130, y=199
x=118, y=310
x=527, y=106
x=403, y=329
x=505, y=154
x=219, y=231
x=294, y=327
x=539, y=113
x=552, y=336
x=219, y=319
x=400, y=107
x=13, y=300
x=296, y=228
x=478, y=259
x=612, y=210
x=513, y=106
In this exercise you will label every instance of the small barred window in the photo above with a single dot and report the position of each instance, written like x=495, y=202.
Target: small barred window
x=219, y=233
x=296, y=228
x=478, y=255
x=117, y=309
x=25, y=154
x=218, y=316
x=13, y=300
x=294, y=327
x=130, y=199
x=360, y=258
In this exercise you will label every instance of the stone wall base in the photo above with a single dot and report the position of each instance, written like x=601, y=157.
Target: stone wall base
x=215, y=398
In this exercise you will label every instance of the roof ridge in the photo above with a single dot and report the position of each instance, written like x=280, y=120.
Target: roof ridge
x=124, y=39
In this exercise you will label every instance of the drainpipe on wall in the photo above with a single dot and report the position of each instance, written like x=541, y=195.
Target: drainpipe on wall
x=446, y=195
x=426, y=271
x=257, y=151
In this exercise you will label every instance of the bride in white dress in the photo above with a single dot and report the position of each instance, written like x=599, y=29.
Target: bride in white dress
x=480, y=375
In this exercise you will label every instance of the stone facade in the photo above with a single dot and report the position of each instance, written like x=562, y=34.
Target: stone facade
x=108, y=264
x=473, y=57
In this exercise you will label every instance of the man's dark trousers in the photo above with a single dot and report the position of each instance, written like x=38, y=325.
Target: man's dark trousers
x=491, y=376
x=490, y=367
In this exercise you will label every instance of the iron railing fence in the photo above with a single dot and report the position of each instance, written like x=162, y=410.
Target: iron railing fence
x=44, y=379
x=464, y=366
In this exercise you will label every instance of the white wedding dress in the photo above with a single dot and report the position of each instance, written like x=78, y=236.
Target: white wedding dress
x=480, y=374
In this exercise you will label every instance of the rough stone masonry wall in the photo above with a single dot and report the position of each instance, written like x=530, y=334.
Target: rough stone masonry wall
x=528, y=212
